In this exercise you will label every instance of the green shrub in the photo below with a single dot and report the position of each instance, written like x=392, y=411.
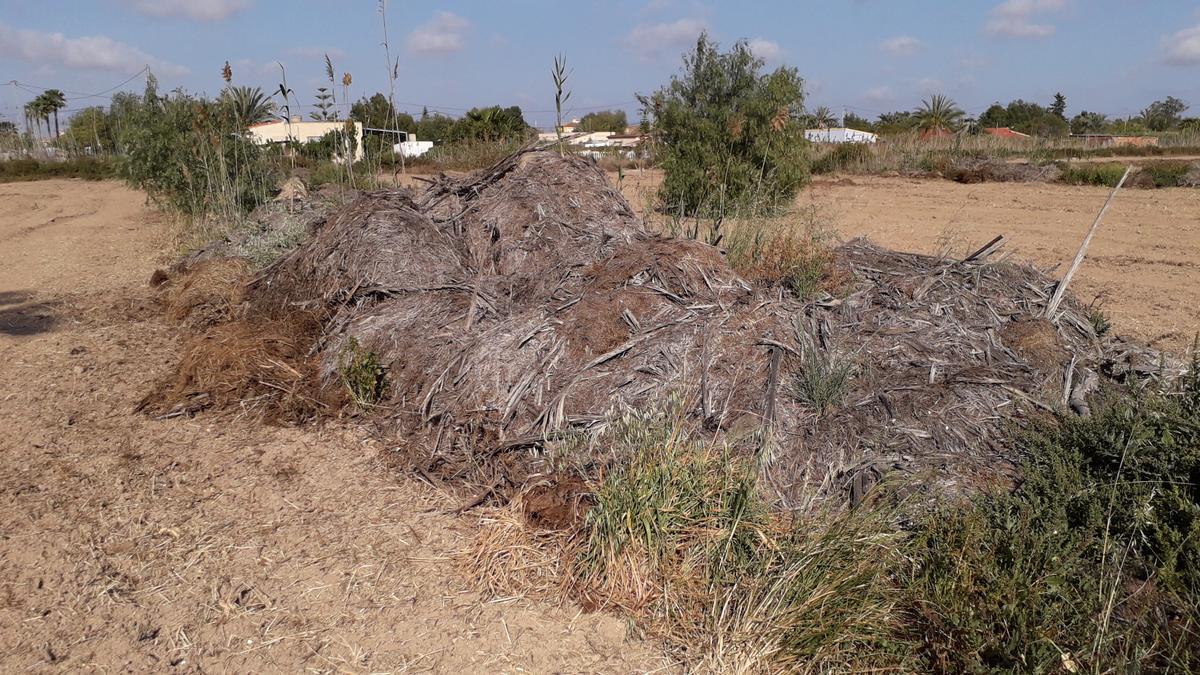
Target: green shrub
x=681, y=532
x=725, y=135
x=1163, y=174
x=842, y=157
x=85, y=168
x=1107, y=175
x=824, y=379
x=193, y=155
x=363, y=374
x=1093, y=562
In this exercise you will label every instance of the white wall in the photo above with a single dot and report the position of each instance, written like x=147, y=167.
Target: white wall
x=839, y=135
x=302, y=132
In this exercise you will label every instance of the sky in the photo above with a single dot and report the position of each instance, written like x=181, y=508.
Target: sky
x=861, y=56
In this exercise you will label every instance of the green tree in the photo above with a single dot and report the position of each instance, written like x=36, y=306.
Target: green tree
x=939, y=113
x=897, y=122
x=604, y=120
x=995, y=116
x=54, y=100
x=491, y=124
x=436, y=127
x=7, y=129
x=378, y=113
x=821, y=118
x=1164, y=115
x=250, y=105
x=90, y=128
x=325, y=110
x=1089, y=123
x=854, y=121
x=727, y=135
x=1059, y=107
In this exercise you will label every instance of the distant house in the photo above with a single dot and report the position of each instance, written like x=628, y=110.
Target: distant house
x=840, y=135
x=1003, y=132
x=299, y=131
x=1114, y=140
x=570, y=127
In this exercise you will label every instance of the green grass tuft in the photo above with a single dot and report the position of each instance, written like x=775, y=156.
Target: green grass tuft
x=363, y=374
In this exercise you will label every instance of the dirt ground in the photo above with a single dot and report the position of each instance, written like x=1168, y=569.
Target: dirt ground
x=1144, y=262
x=212, y=544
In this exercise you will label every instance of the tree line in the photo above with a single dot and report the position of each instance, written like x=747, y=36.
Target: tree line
x=1027, y=117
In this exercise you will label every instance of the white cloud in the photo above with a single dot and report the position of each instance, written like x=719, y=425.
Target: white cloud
x=1183, y=48
x=879, y=95
x=96, y=52
x=901, y=45
x=765, y=49
x=1015, y=18
x=650, y=41
x=198, y=10
x=445, y=33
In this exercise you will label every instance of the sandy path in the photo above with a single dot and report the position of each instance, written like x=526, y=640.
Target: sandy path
x=1144, y=261
x=212, y=544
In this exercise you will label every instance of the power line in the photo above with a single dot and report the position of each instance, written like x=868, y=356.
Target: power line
x=35, y=89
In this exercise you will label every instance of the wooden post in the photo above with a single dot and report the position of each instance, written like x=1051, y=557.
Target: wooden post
x=1052, y=308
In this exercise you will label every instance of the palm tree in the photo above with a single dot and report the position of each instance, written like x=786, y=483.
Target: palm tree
x=249, y=104
x=32, y=113
x=823, y=118
x=54, y=100
x=939, y=113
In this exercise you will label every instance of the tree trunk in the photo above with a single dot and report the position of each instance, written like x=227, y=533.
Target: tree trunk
x=56, y=123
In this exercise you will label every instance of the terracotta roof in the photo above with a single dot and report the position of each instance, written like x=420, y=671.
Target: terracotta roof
x=1004, y=132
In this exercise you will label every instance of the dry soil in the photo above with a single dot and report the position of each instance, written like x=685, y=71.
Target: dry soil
x=212, y=544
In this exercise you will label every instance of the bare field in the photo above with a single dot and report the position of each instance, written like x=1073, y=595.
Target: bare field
x=212, y=544
x=1144, y=262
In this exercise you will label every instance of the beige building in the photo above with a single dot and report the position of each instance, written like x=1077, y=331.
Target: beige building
x=297, y=130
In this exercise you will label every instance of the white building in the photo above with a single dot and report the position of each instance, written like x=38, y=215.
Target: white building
x=412, y=148
x=840, y=135
x=296, y=130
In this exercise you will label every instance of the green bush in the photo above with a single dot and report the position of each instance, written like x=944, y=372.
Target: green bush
x=841, y=157
x=1093, y=562
x=85, y=168
x=1107, y=175
x=726, y=136
x=1163, y=174
x=193, y=155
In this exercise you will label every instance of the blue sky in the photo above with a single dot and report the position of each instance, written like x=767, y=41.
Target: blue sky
x=868, y=56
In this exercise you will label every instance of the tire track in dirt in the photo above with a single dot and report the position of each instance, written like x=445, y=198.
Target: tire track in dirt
x=215, y=543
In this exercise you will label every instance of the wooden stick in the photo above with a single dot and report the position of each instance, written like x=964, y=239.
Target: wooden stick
x=1059, y=292
x=984, y=248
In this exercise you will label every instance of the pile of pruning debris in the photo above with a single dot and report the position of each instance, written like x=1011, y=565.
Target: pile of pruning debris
x=490, y=325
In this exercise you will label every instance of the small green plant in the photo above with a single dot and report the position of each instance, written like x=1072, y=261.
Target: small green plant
x=842, y=157
x=1106, y=175
x=793, y=251
x=1098, y=318
x=561, y=96
x=825, y=376
x=1163, y=174
x=363, y=374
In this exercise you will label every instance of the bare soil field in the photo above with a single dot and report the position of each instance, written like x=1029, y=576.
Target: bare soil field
x=214, y=543
x=1144, y=262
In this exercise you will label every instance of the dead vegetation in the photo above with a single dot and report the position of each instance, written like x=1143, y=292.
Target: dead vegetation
x=505, y=311
x=645, y=426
